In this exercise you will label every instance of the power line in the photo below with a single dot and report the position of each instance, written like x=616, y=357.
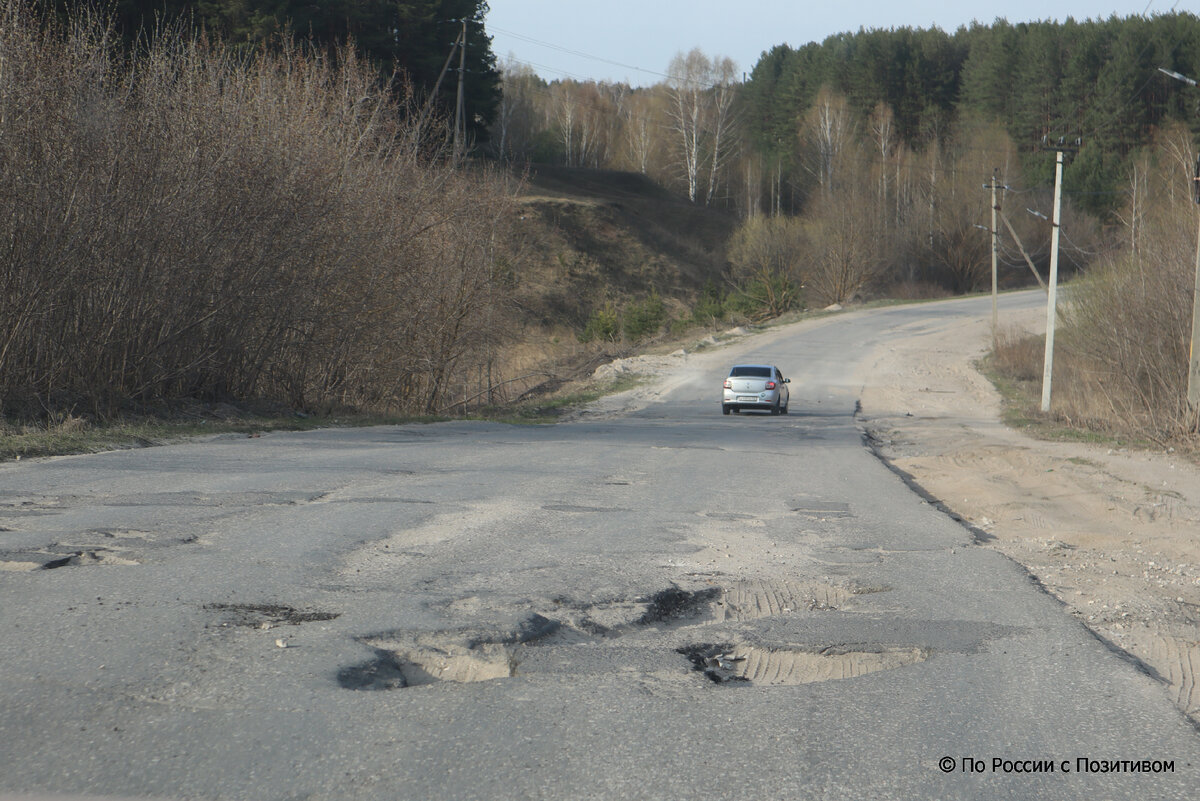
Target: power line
x=581, y=54
x=573, y=52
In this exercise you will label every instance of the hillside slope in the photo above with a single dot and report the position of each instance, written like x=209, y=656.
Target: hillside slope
x=586, y=238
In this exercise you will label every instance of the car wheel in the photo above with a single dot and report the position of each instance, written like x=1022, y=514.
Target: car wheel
x=785, y=409
x=775, y=408
x=724, y=409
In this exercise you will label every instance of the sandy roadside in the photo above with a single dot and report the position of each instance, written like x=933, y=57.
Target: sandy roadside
x=1113, y=534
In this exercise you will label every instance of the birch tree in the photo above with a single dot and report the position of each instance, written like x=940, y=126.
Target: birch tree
x=702, y=94
x=722, y=95
x=688, y=78
x=829, y=129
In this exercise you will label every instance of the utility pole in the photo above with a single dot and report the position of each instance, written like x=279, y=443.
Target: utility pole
x=1052, y=296
x=995, y=248
x=1021, y=247
x=461, y=40
x=459, y=121
x=1193, y=388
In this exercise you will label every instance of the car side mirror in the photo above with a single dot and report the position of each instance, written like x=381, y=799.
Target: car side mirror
x=787, y=380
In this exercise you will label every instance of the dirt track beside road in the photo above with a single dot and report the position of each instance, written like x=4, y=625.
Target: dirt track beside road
x=1112, y=533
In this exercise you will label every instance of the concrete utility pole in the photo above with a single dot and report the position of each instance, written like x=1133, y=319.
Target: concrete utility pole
x=995, y=248
x=1051, y=300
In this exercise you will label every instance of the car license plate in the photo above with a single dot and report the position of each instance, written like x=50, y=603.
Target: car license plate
x=747, y=399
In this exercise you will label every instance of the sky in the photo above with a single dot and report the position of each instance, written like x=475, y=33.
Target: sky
x=634, y=40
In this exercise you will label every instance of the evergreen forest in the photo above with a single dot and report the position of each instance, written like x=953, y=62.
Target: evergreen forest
x=1095, y=82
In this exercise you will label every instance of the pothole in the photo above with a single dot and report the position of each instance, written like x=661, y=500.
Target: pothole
x=397, y=670
x=823, y=509
x=675, y=604
x=20, y=563
x=774, y=666
x=56, y=557
x=411, y=660
x=267, y=615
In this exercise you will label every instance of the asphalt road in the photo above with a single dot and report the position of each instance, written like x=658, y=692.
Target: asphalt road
x=666, y=604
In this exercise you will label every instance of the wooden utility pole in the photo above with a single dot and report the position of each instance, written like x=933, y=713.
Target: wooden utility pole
x=459, y=116
x=1021, y=248
x=461, y=41
x=1051, y=309
x=1193, y=387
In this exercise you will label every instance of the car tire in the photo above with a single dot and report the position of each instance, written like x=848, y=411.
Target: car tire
x=724, y=409
x=784, y=410
x=775, y=409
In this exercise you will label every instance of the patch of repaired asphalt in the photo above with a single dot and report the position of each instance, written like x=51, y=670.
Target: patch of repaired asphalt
x=791, y=665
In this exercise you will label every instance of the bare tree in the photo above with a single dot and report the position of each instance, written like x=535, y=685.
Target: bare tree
x=638, y=120
x=514, y=124
x=687, y=84
x=702, y=92
x=722, y=121
x=564, y=111
x=829, y=130
x=845, y=242
x=883, y=133
x=958, y=202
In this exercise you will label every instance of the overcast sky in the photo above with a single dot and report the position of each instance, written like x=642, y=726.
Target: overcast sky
x=634, y=40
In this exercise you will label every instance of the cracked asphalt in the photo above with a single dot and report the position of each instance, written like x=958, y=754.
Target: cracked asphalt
x=654, y=604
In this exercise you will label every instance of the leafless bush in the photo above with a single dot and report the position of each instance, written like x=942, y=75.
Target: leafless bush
x=185, y=222
x=845, y=244
x=1129, y=320
x=766, y=253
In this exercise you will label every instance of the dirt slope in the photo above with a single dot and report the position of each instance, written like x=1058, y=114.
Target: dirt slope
x=590, y=237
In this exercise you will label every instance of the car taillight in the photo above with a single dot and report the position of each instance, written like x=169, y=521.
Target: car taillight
x=728, y=384
x=770, y=385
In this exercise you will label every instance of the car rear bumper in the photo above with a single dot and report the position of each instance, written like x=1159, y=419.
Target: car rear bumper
x=743, y=399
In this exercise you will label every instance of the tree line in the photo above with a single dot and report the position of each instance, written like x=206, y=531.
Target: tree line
x=879, y=142
x=1096, y=81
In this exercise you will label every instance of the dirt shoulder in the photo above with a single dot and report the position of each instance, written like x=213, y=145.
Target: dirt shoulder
x=1111, y=533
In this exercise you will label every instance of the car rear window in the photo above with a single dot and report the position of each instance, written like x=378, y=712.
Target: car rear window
x=751, y=372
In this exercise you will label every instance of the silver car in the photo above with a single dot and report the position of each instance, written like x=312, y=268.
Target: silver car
x=756, y=386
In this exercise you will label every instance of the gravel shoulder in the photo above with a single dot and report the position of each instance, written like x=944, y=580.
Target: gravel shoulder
x=1112, y=533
